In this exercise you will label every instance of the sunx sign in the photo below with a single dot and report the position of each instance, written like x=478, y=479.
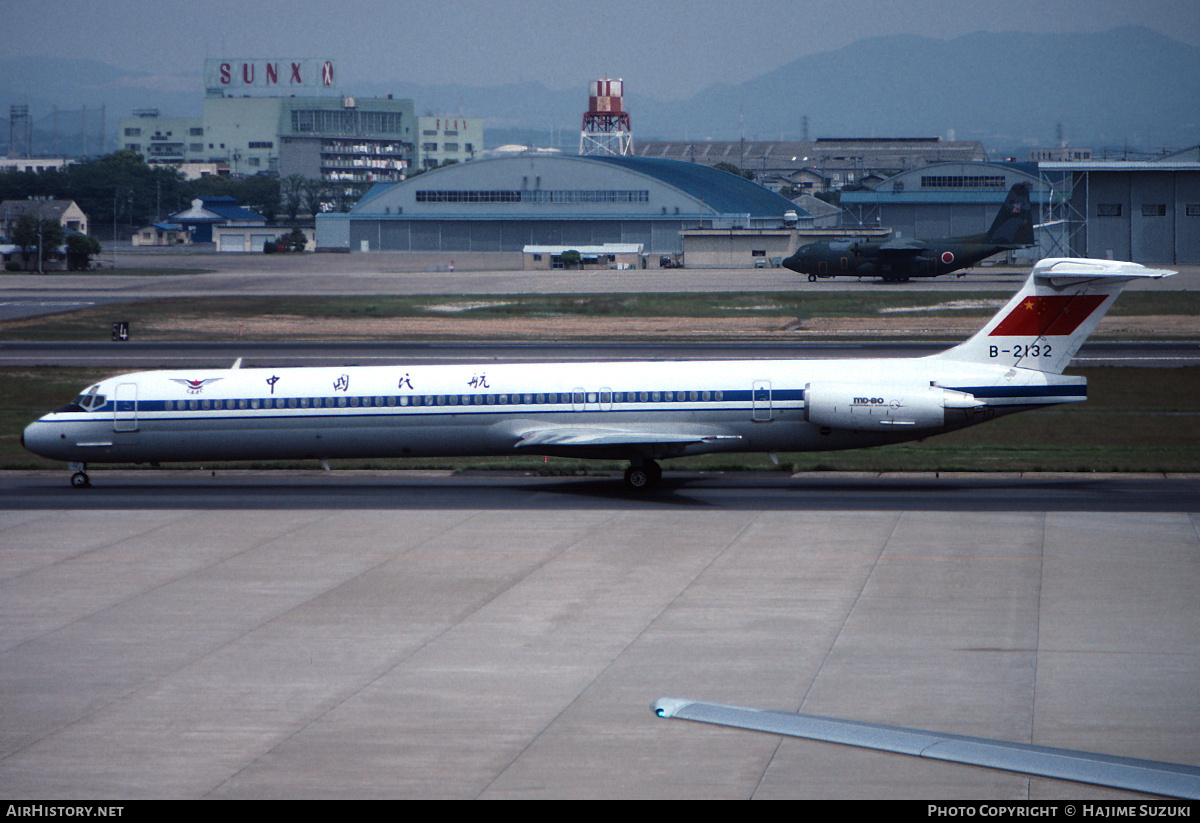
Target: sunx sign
x=291, y=73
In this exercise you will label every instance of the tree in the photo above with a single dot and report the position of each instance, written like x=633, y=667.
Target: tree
x=732, y=169
x=30, y=232
x=80, y=248
x=291, y=194
x=314, y=192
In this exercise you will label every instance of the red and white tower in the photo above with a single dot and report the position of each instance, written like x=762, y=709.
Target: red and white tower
x=606, y=128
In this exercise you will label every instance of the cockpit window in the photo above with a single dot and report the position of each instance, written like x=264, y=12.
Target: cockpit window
x=89, y=401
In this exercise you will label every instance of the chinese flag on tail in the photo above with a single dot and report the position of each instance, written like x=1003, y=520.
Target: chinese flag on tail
x=1041, y=314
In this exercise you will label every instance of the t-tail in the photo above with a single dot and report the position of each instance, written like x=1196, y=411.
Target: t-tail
x=1013, y=226
x=1045, y=323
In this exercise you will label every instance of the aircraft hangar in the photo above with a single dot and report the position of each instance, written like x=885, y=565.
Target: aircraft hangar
x=504, y=203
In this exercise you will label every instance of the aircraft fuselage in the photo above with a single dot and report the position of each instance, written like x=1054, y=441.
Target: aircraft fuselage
x=621, y=410
x=865, y=259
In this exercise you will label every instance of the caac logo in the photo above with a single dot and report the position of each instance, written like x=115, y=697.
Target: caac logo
x=195, y=386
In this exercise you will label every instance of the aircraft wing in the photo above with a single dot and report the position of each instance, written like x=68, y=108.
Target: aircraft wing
x=1151, y=776
x=584, y=436
x=901, y=247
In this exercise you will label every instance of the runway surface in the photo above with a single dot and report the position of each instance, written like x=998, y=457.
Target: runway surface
x=124, y=489
x=134, y=355
x=346, y=634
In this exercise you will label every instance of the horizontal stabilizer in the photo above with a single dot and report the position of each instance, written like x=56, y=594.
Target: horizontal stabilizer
x=1064, y=271
x=1151, y=776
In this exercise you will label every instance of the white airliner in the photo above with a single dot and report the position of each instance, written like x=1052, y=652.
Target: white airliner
x=642, y=412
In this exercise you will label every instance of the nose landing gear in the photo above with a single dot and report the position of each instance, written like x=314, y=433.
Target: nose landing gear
x=79, y=479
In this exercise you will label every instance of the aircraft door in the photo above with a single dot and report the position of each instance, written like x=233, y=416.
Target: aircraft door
x=125, y=403
x=760, y=395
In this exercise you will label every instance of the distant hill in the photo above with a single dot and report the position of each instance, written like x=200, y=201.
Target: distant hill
x=1126, y=86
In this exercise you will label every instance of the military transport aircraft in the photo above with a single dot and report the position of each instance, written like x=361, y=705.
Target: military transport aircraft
x=899, y=259
x=642, y=412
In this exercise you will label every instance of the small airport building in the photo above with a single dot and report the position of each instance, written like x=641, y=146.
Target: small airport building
x=508, y=202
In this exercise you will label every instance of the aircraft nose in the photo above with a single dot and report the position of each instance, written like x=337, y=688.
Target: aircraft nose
x=794, y=263
x=42, y=438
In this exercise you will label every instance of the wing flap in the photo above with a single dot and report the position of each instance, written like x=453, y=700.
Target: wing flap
x=583, y=436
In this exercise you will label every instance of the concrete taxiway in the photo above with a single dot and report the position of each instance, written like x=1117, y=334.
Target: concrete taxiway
x=302, y=634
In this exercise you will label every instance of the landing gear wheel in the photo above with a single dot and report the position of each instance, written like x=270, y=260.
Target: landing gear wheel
x=812, y=278
x=637, y=478
x=80, y=480
x=644, y=476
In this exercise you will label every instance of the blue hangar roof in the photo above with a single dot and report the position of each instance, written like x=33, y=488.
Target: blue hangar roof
x=724, y=192
x=719, y=191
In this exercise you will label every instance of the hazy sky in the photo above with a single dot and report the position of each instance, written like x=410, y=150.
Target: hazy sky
x=667, y=49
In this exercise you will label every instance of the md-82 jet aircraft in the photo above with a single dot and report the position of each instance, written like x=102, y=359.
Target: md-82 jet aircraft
x=642, y=412
x=899, y=259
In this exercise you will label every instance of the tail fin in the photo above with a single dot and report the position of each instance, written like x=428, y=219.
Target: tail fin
x=1013, y=225
x=1046, y=322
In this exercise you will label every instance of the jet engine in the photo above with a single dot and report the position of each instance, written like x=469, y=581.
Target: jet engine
x=882, y=408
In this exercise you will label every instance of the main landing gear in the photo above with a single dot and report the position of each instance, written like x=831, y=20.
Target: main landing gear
x=645, y=475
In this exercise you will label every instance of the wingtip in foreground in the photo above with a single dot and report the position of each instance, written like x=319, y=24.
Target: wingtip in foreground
x=1149, y=776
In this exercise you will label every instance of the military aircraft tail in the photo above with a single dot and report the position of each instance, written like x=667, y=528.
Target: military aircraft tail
x=1013, y=225
x=1045, y=323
